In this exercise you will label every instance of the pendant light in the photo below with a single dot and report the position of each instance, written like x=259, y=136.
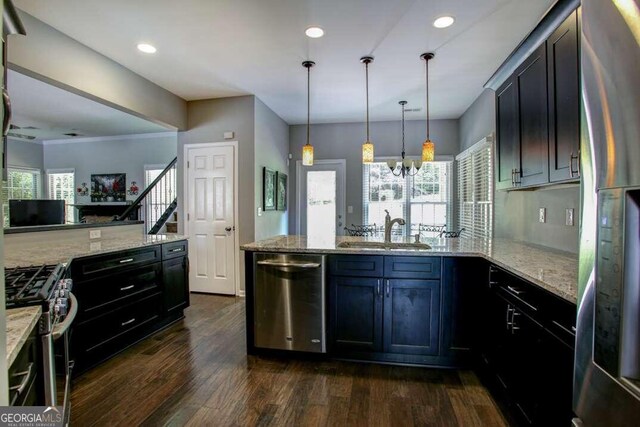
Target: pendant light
x=307, y=150
x=367, y=147
x=405, y=166
x=428, y=147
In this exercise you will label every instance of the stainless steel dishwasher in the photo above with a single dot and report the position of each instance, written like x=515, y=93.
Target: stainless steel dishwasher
x=289, y=302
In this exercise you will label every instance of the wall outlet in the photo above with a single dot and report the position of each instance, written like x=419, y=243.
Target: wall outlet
x=95, y=246
x=229, y=135
x=569, y=217
x=95, y=234
x=350, y=209
x=543, y=215
x=259, y=211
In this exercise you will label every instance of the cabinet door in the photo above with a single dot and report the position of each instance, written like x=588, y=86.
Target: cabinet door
x=507, y=134
x=175, y=282
x=463, y=280
x=356, y=313
x=531, y=81
x=411, y=316
x=564, y=101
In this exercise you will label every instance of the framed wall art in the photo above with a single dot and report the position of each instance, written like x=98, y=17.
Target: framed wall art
x=268, y=189
x=111, y=187
x=281, y=191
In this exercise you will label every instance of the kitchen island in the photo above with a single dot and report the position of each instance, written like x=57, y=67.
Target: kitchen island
x=504, y=308
x=552, y=270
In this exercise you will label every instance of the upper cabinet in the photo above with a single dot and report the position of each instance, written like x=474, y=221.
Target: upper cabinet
x=563, y=62
x=538, y=113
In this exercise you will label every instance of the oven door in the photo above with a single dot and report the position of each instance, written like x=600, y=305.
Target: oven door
x=62, y=377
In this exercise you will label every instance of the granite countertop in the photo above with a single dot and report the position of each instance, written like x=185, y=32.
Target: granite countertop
x=553, y=270
x=20, y=323
x=65, y=251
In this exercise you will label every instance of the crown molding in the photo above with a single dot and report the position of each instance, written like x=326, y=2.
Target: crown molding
x=139, y=136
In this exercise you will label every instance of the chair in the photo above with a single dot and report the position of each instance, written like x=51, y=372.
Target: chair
x=451, y=234
x=361, y=230
x=434, y=230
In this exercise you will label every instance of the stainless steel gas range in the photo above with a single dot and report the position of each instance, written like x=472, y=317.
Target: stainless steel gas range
x=48, y=287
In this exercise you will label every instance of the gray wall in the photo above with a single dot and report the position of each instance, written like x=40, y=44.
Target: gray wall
x=344, y=141
x=53, y=57
x=271, y=150
x=479, y=120
x=516, y=212
x=120, y=154
x=25, y=154
x=208, y=120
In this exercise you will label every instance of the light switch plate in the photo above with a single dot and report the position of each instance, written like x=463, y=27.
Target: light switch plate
x=569, y=217
x=259, y=211
x=350, y=209
x=543, y=215
x=95, y=234
x=229, y=135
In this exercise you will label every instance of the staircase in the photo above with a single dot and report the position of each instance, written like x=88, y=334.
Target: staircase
x=158, y=200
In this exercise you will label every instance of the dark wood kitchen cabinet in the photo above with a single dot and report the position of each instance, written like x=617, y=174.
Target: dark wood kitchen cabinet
x=563, y=62
x=527, y=350
x=124, y=297
x=538, y=113
x=392, y=315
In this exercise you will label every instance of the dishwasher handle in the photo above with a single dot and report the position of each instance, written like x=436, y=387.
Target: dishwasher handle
x=289, y=264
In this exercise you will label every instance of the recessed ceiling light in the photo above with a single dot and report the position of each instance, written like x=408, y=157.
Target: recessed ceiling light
x=146, y=48
x=444, y=21
x=314, y=32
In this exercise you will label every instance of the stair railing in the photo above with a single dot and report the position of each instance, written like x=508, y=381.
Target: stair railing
x=157, y=198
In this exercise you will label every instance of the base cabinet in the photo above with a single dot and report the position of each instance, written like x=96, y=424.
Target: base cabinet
x=124, y=297
x=395, y=313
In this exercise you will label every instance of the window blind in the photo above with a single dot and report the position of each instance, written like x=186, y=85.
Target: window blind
x=475, y=189
x=21, y=183
x=61, y=186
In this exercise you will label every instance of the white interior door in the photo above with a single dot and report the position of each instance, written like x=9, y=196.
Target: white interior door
x=210, y=219
x=321, y=198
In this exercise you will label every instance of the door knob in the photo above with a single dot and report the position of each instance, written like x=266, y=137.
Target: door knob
x=227, y=229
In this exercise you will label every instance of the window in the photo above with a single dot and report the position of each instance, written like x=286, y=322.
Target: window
x=421, y=199
x=62, y=187
x=161, y=196
x=475, y=189
x=22, y=183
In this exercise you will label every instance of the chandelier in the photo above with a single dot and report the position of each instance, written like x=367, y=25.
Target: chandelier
x=405, y=167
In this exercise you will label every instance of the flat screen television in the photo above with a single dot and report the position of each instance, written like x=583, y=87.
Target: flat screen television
x=24, y=213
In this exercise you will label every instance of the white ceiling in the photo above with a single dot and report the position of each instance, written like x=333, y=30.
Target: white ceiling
x=219, y=48
x=54, y=112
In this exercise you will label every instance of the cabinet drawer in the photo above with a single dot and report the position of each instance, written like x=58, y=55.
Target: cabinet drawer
x=356, y=265
x=96, y=296
x=89, y=267
x=92, y=334
x=174, y=249
x=412, y=267
x=23, y=373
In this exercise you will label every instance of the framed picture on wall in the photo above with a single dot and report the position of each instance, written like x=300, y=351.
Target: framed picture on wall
x=268, y=189
x=110, y=187
x=281, y=191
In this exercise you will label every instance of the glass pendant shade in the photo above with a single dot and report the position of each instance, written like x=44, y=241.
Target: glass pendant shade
x=428, y=151
x=392, y=164
x=307, y=155
x=367, y=152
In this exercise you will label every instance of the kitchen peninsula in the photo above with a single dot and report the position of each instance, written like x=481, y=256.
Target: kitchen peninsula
x=505, y=308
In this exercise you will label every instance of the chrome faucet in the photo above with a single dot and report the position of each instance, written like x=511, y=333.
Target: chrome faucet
x=388, y=225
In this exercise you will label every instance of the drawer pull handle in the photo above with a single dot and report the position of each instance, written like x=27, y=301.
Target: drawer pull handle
x=176, y=250
x=124, y=261
x=514, y=290
x=25, y=380
x=572, y=331
x=126, y=288
x=128, y=322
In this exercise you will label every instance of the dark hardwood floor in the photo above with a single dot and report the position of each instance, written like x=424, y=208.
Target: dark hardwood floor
x=197, y=373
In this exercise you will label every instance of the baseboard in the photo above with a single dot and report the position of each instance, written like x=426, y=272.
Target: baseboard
x=240, y=293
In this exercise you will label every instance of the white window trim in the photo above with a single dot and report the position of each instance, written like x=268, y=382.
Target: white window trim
x=37, y=171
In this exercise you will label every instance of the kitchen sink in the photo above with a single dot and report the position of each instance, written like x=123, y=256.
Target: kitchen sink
x=384, y=246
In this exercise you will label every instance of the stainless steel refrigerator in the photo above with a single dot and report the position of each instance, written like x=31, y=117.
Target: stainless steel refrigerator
x=607, y=368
